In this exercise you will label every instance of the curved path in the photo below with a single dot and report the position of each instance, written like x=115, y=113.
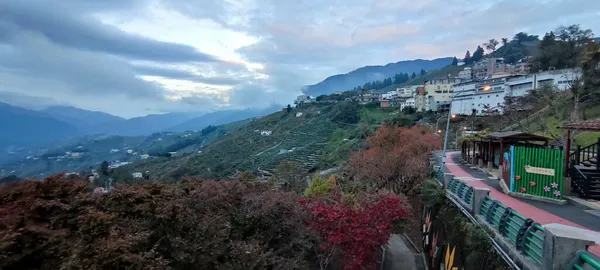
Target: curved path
x=543, y=213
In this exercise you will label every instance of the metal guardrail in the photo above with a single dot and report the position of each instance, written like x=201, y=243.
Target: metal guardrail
x=533, y=243
x=527, y=235
x=469, y=194
x=515, y=227
x=584, y=260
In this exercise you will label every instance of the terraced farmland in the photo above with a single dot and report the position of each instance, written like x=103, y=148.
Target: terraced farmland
x=305, y=135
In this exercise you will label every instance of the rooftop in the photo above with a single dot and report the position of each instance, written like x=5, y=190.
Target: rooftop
x=589, y=125
x=515, y=136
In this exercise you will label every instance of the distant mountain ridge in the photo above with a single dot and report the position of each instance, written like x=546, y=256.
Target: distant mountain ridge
x=85, y=120
x=22, y=126
x=342, y=82
x=222, y=117
x=25, y=127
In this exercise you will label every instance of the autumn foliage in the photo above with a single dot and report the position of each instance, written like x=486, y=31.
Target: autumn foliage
x=61, y=224
x=351, y=228
x=396, y=158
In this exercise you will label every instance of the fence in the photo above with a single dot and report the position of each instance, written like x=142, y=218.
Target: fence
x=523, y=233
x=537, y=171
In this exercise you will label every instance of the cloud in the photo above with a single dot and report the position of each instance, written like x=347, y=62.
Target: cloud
x=179, y=74
x=80, y=32
x=146, y=56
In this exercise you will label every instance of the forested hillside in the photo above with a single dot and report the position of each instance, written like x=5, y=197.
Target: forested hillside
x=315, y=136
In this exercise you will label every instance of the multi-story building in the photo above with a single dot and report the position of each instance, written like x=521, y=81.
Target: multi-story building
x=466, y=74
x=389, y=95
x=439, y=92
x=420, y=99
x=478, y=96
x=487, y=67
x=408, y=103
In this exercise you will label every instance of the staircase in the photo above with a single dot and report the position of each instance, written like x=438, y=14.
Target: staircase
x=585, y=171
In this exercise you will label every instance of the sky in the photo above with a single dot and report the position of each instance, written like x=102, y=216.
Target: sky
x=136, y=57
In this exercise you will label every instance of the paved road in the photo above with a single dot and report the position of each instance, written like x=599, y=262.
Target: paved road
x=399, y=255
x=575, y=213
x=541, y=212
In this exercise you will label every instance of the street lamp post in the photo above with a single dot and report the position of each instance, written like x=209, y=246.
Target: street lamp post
x=483, y=89
x=437, y=124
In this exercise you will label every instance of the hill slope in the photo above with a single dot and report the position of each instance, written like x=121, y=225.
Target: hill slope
x=94, y=149
x=306, y=135
x=83, y=119
x=343, y=82
x=221, y=118
x=25, y=127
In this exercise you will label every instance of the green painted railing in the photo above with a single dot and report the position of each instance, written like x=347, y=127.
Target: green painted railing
x=538, y=172
x=496, y=215
x=533, y=243
x=462, y=189
x=439, y=175
x=526, y=235
x=453, y=182
x=485, y=206
x=514, y=227
x=584, y=260
x=468, y=198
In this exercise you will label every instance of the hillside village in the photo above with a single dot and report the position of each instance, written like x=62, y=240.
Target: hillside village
x=478, y=89
x=339, y=179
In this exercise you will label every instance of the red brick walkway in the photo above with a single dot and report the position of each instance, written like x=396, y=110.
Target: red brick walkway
x=538, y=215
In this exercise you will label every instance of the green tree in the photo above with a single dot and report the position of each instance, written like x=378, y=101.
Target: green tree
x=423, y=72
x=467, y=58
x=522, y=37
x=504, y=41
x=491, y=45
x=288, y=108
x=454, y=61
x=413, y=75
x=478, y=54
x=319, y=187
x=346, y=112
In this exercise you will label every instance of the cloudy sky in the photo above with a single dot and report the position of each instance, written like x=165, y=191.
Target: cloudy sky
x=134, y=57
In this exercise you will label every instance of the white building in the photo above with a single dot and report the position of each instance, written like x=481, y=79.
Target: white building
x=130, y=151
x=137, y=175
x=408, y=103
x=466, y=74
x=144, y=156
x=118, y=164
x=266, y=133
x=389, y=95
x=475, y=97
x=303, y=99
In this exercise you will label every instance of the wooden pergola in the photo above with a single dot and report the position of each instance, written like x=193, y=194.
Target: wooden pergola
x=588, y=125
x=492, y=143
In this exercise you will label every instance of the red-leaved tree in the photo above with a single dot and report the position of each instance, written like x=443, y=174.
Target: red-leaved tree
x=396, y=159
x=353, y=227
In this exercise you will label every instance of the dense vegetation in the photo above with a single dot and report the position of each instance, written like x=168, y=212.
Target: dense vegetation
x=95, y=149
x=242, y=223
x=316, y=136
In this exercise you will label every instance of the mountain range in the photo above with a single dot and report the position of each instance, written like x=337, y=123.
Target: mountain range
x=25, y=127
x=343, y=82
